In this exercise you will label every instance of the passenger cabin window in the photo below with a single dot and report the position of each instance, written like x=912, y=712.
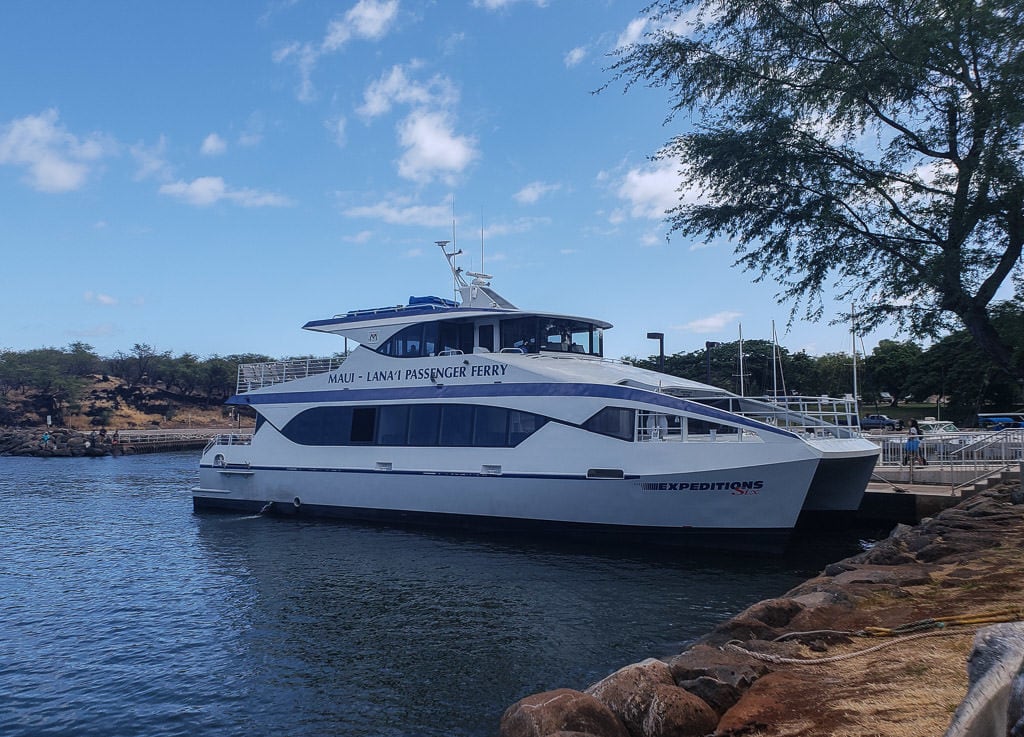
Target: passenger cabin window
x=420, y=425
x=535, y=334
x=618, y=422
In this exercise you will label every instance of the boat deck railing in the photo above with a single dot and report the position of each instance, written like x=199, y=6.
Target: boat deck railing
x=232, y=438
x=818, y=416
x=252, y=376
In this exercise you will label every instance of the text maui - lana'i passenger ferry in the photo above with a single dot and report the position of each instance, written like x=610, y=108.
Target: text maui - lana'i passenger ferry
x=478, y=414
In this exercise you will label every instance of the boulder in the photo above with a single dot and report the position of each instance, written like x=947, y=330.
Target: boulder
x=718, y=695
x=675, y=712
x=735, y=669
x=628, y=691
x=562, y=710
x=763, y=705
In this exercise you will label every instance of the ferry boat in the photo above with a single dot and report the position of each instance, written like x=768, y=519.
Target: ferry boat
x=477, y=414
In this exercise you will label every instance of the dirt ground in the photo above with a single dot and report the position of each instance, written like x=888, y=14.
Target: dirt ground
x=966, y=563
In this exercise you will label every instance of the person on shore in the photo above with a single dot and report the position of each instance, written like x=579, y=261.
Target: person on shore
x=913, y=450
x=45, y=442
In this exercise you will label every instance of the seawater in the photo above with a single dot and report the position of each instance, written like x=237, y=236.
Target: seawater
x=123, y=613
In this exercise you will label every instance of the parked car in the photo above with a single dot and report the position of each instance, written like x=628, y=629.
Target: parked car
x=880, y=422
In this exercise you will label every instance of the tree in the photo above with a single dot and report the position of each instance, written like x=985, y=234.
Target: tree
x=890, y=368
x=870, y=144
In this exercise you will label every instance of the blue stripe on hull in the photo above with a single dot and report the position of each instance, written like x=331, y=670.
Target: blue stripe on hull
x=759, y=540
x=463, y=391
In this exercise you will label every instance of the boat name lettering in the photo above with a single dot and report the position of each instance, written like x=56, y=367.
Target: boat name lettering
x=737, y=487
x=341, y=378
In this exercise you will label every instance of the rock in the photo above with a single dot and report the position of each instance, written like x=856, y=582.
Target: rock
x=628, y=691
x=739, y=671
x=763, y=705
x=561, y=710
x=718, y=695
x=898, y=576
x=674, y=712
x=764, y=620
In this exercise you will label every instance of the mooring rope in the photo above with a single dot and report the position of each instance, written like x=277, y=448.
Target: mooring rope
x=931, y=627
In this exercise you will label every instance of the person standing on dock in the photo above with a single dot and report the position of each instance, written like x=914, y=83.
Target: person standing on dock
x=913, y=448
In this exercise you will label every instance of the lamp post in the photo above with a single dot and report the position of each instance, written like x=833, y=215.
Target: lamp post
x=660, y=337
x=708, y=345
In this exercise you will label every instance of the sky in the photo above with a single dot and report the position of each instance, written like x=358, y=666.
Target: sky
x=207, y=177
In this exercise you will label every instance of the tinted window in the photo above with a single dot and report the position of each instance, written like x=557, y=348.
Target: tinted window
x=320, y=426
x=522, y=425
x=486, y=337
x=456, y=424
x=491, y=427
x=424, y=423
x=618, y=422
x=392, y=425
x=364, y=422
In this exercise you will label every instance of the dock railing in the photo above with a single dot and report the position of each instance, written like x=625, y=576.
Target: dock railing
x=953, y=459
x=252, y=376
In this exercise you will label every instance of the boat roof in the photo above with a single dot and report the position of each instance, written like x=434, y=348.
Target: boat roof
x=428, y=309
x=478, y=300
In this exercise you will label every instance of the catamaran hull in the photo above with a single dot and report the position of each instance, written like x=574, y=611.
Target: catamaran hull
x=842, y=475
x=751, y=507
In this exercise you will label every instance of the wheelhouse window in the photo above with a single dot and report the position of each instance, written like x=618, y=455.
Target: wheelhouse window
x=535, y=334
x=429, y=339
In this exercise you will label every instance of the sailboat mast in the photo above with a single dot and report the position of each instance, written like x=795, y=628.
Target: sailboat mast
x=853, y=332
x=775, y=364
x=741, y=360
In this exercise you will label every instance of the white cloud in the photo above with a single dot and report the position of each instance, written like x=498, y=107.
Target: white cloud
x=252, y=134
x=533, y=191
x=519, y=225
x=367, y=19
x=396, y=87
x=651, y=191
x=499, y=4
x=701, y=245
x=569, y=251
x=363, y=236
x=402, y=212
x=336, y=127
x=710, y=324
x=100, y=299
x=55, y=160
x=413, y=253
x=432, y=149
x=681, y=25
x=150, y=160
x=650, y=240
x=205, y=191
x=575, y=56
x=213, y=145
x=305, y=57
x=633, y=33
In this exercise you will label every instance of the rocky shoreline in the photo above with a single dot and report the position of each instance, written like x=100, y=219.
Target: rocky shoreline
x=809, y=662
x=59, y=443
